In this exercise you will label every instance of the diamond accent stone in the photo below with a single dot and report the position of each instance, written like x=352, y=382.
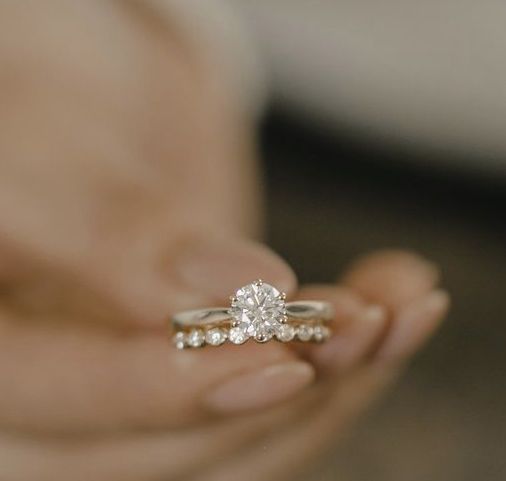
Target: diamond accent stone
x=321, y=333
x=237, y=335
x=305, y=332
x=285, y=332
x=179, y=340
x=258, y=309
x=195, y=338
x=215, y=336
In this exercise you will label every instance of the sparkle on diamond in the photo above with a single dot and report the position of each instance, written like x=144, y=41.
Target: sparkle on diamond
x=258, y=309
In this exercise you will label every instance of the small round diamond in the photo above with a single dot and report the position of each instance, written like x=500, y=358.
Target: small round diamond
x=321, y=333
x=305, y=332
x=179, y=340
x=285, y=333
x=196, y=338
x=237, y=335
x=215, y=336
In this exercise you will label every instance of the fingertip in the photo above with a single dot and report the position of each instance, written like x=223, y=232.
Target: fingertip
x=393, y=278
x=198, y=273
x=345, y=301
x=356, y=327
x=353, y=342
x=414, y=325
x=261, y=388
x=218, y=267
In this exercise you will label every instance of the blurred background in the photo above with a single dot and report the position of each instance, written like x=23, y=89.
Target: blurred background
x=386, y=128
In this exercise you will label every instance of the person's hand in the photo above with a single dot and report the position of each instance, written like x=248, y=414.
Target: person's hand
x=127, y=192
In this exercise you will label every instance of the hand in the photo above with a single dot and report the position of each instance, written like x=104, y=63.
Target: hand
x=127, y=192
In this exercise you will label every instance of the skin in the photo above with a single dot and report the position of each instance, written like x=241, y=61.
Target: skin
x=127, y=192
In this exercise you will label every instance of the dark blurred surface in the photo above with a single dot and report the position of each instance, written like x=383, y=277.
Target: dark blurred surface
x=331, y=200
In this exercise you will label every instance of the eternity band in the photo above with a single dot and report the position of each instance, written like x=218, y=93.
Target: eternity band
x=258, y=311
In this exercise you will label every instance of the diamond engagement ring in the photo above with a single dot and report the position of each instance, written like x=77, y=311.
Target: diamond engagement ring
x=257, y=311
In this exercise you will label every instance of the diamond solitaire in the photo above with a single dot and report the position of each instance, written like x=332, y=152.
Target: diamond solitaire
x=259, y=310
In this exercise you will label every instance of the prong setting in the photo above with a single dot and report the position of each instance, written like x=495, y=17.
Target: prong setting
x=258, y=308
x=261, y=338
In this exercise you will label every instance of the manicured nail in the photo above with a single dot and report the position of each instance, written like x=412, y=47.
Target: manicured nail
x=353, y=341
x=217, y=268
x=414, y=325
x=260, y=389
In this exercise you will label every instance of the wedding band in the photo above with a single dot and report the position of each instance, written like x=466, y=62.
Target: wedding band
x=257, y=311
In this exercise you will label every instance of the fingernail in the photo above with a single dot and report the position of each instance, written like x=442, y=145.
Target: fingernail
x=414, y=325
x=218, y=267
x=353, y=341
x=260, y=389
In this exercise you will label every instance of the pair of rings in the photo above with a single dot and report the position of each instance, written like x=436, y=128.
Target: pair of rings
x=257, y=311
